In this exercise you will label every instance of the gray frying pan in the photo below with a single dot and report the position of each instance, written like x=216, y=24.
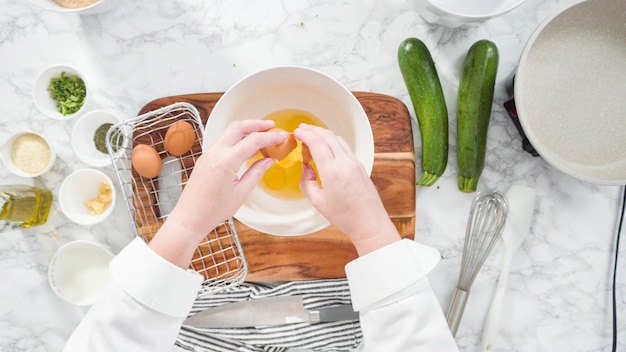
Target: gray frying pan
x=570, y=91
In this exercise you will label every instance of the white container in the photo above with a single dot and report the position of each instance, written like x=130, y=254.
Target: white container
x=291, y=87
x=455, y=13
x=79, y=271
x=83, y=135
x=5, y=155
x=100, y=6
x=77, y=188
x=43, y=98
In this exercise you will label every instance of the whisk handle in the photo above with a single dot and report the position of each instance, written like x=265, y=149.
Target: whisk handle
x=492, y=323
x=457, y=306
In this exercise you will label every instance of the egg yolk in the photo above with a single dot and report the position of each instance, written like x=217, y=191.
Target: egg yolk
x=275, y=178
x=282, y=180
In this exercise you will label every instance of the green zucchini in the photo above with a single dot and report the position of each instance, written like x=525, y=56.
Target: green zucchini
x=475, y=98
x=422, y=82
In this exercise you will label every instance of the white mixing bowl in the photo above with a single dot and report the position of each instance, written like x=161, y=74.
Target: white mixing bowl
x=291, y=87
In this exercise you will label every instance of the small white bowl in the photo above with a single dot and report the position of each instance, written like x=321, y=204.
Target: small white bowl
x=43, y=98
x=77, y=188
x=455, y=13
x=5, y=155
x=79, y=271
x=100, y=6
x=83, y=137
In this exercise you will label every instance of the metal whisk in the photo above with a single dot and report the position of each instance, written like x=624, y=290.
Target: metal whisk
x=484, y=227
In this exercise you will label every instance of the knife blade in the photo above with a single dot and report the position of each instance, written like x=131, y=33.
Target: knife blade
x=269, y=311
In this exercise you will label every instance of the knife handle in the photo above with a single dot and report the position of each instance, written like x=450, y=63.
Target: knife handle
x=340, y=313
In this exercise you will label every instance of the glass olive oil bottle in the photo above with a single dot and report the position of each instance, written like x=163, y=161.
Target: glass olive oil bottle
x=23, y=206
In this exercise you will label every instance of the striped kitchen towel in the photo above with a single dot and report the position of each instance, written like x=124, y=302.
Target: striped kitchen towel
x=329, y=336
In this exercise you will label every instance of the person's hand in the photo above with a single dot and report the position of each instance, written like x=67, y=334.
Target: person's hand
x=214, y=192
x=347, y=196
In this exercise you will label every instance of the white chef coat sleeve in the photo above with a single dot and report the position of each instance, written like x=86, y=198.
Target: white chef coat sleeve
x=399, y=312
x=141, y=309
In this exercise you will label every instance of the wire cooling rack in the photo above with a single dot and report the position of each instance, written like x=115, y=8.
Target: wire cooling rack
x=219, y=257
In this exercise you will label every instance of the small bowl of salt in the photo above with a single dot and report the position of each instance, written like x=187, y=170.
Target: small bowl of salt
x=27, y=154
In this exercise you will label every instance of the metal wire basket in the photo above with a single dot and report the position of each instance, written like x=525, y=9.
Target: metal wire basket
x=219, y=257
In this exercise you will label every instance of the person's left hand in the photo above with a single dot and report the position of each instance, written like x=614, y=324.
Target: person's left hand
x=214, y=192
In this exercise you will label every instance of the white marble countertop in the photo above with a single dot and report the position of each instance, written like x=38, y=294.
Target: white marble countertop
x=558, y=297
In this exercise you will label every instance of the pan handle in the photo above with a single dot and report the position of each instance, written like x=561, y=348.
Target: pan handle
x=511, y=109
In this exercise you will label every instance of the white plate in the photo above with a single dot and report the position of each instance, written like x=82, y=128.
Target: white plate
x=570, y=92
x=289, y=87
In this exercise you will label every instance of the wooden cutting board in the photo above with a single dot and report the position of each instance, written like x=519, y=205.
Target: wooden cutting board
x=323, y=254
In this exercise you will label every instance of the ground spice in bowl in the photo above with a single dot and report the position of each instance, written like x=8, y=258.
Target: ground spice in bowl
x=30, y=153
x=99, y=139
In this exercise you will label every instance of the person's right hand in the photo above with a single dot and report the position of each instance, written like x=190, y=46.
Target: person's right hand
x=347, y=196
x=214, y=191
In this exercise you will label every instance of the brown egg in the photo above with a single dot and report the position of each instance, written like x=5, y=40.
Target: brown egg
x=306, y=154
x=146, y=161
x=179, y=138
x=280, y=151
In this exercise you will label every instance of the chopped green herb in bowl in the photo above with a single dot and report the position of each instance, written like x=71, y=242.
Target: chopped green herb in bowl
x=61, y=92
x=69, y=93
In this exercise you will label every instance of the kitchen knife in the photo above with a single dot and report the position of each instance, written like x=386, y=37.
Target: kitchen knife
x=269, y=311
x=170, y=185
